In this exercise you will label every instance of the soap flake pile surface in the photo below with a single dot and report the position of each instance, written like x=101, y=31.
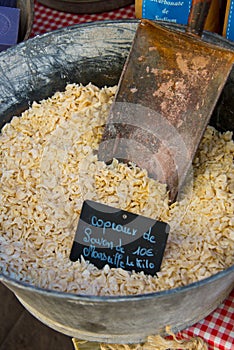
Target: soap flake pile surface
x=49, y=166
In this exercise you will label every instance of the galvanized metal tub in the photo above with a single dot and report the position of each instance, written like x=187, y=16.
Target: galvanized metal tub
x=36, y=69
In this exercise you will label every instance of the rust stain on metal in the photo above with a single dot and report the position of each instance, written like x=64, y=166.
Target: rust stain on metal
x=182, y=64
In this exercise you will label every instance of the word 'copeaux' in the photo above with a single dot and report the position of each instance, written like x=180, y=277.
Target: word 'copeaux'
x=107, y=235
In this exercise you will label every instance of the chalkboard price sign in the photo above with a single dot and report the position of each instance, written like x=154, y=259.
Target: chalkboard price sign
x=107, y=235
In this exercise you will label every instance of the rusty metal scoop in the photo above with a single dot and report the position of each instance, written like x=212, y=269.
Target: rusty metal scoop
x=168, y=89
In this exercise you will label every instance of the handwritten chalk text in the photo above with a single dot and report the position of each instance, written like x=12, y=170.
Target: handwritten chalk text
x=112, y=225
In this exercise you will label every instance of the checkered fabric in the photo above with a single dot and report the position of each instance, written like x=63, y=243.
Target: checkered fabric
x=218, y=328
x=47, y=19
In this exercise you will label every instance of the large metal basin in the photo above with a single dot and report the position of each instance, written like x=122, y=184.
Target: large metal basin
x=35, y=70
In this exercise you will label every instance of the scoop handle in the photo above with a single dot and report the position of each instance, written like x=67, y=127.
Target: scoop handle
x=197, y=16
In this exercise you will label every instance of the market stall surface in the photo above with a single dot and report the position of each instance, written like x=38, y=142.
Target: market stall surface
x=21, y=331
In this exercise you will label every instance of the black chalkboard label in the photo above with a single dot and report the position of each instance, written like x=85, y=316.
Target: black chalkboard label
x=107, y=235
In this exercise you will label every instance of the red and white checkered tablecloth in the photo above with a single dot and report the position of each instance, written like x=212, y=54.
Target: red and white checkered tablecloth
x=218, y=328
x=47, y=19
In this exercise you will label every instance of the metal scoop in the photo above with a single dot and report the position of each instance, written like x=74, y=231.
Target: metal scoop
x=167, y=92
